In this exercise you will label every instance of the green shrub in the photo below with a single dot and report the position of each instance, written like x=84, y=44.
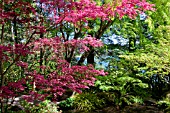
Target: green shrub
x=43, y=107
x=121, y=88
x=66, y=104
x=165, y=103
x=88, y=101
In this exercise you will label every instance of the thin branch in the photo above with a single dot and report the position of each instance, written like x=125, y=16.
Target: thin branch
x=83, y=57
x=63, y=36
x=77, y=33
x=1, y=63
x=103, y=28
x=2, y=33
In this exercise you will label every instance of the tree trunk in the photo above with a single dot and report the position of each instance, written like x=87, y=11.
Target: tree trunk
x=90, y=58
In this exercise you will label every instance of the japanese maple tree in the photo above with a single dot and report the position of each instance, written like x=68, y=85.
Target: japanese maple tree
x=41, y=38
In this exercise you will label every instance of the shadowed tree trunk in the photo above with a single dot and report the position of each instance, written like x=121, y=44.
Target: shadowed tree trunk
x=90, y=58
x=90, y=54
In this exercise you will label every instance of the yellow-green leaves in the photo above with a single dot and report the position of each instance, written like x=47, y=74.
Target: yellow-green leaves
x=149, y=21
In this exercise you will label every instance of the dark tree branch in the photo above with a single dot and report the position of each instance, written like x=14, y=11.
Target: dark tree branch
x=83, y=57
x=63, y=36
x=1, y=65
x=15, y=30
x=77, y=34
x=41, y=52
x=2, y=33
x=90, y=54
x=103, y=29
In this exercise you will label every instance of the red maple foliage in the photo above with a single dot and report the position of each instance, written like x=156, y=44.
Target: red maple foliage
x=38, y=17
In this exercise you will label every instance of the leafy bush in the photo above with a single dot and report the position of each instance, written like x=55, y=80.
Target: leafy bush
x=124, y=83
x=43, y=107
x=165, y=103
x=124, y=89
x=66, y=104
x=88, y=101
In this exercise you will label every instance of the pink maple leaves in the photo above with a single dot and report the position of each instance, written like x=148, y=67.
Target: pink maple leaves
x=132, y=8
x=23, y=8
x=22, y=64
x=18, y=49
x=82, y=44
x=54, y=84
x=12, y=89
x=3, y=52
x=84, y=10
x=63, y=77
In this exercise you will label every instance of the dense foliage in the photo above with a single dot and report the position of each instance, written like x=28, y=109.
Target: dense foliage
x=49, y=48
